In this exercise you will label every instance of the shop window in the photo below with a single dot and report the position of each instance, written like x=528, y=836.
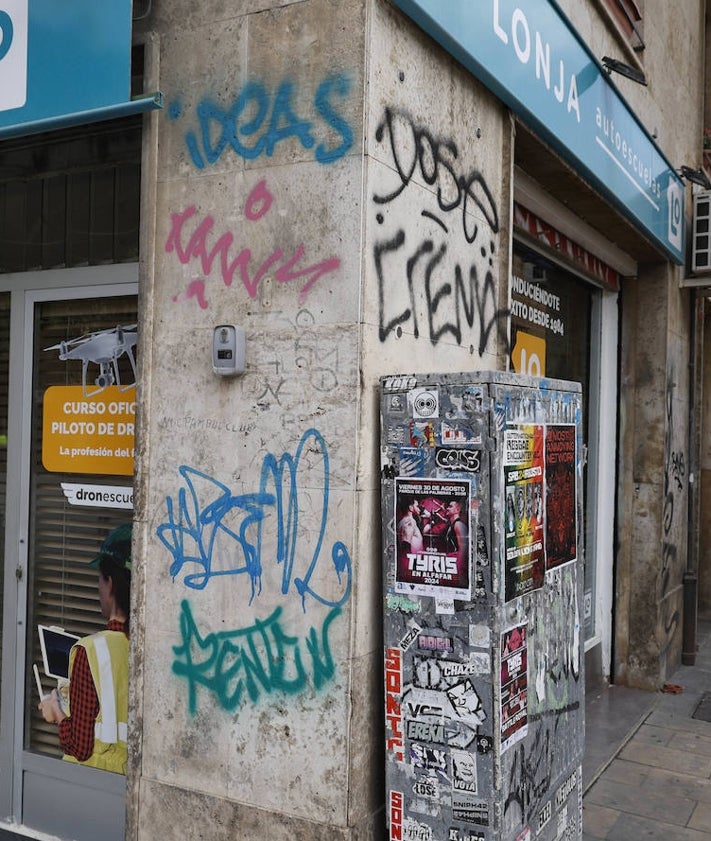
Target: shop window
x=4, y=390
x=64, y=537
x=552, y=314
x=71, y=198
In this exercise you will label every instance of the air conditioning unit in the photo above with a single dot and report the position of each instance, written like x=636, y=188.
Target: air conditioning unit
x=701, y=237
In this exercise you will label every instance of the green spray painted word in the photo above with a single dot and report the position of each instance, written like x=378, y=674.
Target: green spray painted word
x=248, y=662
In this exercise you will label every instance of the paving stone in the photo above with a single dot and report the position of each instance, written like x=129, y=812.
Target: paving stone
x=681, y=785
x=676, y=721
x=701, y=819
x=627, y=772
x=628, y=798
x=655, y=735
x=633, y=828
x=597, y=820
x=673, y=760
x=693, y=742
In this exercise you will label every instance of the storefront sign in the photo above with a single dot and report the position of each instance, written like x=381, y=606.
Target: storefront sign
x=64, y=64
x=97, y=496
x=580, y=257
x=536, y=63
x=93, y=434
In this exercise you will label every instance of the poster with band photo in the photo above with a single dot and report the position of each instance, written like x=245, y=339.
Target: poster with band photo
x=433, y=525
x=523, y=513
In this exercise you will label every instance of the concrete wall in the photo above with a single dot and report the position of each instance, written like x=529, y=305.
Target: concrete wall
x=328, y=179
x=251, y=708
x=653, y=479
x=655, y=395
x=361, y=155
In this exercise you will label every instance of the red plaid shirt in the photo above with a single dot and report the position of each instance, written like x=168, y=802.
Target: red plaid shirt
x=76, y=733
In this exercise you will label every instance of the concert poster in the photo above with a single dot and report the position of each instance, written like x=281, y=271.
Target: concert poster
x=561, y=527
x=524, y=560
x=433, y=527
x=514, y=686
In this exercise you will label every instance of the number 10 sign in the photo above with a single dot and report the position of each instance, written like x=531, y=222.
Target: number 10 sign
x=13, y=54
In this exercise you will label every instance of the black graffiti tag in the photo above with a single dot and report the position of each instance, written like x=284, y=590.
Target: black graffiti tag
x=435, y=277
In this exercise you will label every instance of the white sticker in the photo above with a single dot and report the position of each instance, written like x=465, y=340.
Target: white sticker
x=424, y=403
x=444, y=605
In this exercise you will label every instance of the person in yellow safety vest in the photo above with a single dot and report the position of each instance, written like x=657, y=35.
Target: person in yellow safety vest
x=93, y=730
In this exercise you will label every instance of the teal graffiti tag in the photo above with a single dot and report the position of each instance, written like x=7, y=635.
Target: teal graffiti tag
x=241, y=665
x=259, y=119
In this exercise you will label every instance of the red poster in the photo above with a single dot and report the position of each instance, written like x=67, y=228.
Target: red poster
x=561, y=527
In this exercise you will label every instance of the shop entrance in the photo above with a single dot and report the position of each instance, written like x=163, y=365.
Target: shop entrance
x=67, y=380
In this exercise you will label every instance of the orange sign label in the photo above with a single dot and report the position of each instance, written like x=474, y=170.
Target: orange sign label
x=83, y=434
x=529, y=355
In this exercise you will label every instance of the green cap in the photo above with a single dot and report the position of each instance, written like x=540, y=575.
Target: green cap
x=116, y=548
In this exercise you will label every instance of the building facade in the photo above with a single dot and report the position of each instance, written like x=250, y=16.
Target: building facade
x=360, y=188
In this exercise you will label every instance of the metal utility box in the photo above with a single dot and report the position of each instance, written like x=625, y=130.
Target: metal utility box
x=483, y=565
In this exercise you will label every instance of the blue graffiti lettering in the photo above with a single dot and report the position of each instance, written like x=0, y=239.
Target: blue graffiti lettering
x=341, y=84
x=248, y=662
x=258, y=121
x=208, y=521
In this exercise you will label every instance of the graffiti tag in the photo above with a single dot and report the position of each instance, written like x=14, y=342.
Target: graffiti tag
x=207, y=520
x=248, y=662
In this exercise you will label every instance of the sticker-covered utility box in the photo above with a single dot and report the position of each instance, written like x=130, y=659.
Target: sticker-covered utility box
x=482, y=541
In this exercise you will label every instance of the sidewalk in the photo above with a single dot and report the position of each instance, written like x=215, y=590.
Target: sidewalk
x=647, y=771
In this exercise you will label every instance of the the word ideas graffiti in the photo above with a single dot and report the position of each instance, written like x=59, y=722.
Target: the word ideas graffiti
x=198, y=242
x=248, y=662
x=221, y=534
x=259, y=120
x=435, y=276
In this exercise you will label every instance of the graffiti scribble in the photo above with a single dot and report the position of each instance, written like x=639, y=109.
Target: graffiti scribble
x=435, y=280
x=208, y=522
x=248, y=662
x=196, y=245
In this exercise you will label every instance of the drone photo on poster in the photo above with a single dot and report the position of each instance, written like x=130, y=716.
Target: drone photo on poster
x=433, y=528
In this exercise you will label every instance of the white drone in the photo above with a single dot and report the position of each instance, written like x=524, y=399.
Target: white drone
x=103, y=348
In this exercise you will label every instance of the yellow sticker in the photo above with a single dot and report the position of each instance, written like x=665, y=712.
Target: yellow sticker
x=529, y=355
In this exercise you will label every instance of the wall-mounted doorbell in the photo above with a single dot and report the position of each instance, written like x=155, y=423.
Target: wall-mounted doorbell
x=228, y=350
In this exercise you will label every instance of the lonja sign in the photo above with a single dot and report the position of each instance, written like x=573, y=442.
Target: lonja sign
x=532, y=58
x=65, y=63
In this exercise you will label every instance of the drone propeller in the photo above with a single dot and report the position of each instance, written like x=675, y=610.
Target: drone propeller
x=120, y=329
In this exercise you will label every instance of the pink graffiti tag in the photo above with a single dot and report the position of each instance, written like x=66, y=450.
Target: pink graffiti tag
x=198, y=248
x=196, y=289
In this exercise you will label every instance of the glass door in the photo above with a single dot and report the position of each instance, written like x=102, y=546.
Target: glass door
x=70, y=441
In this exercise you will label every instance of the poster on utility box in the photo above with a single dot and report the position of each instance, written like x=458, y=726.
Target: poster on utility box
x=433, y=527
x=524, y=562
